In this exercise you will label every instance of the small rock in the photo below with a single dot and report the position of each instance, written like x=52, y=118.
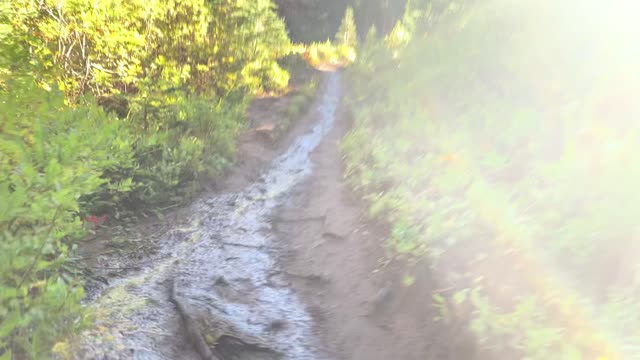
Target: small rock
x=276, y=325
x=332, y=236
x=221, y=281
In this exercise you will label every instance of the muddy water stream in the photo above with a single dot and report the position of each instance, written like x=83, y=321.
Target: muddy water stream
x=225, y=274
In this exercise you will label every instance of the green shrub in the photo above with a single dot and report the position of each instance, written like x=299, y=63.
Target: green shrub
x=327, y=55
x=341, y=52
x=50, y=157
x=131, y=46
x=186, y=139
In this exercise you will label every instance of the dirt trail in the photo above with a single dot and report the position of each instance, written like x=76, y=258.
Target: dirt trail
x=222, y=263
x=276, y=264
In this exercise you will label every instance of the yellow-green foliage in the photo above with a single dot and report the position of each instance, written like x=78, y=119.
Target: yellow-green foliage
x=50, y=157
x=341, y=52
x=118, y=46
x=347, y=33
x=510, y=128
x=329, y=56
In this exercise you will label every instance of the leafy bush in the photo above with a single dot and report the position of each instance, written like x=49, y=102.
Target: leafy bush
x=331, y=55
x=50, y=157
x=186, y=139
x=327, y=55
x=118, y=46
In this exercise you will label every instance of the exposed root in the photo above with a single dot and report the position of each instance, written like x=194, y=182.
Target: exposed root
x=192, y=332
x=321, y=218
x=231, y=347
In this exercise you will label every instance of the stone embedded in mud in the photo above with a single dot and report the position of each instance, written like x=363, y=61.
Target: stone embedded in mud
x=276, y=325
x=221, y=281
x=331, y=236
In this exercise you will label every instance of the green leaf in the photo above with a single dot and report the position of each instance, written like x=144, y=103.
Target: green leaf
x=460, y=296
x=6, y=355
x=11, y=322
x=408, y=280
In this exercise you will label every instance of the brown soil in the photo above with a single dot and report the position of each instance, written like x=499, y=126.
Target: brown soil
x=260, y=143
x=337, y=265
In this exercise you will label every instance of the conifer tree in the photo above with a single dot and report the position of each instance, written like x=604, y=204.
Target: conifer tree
x=347, y=34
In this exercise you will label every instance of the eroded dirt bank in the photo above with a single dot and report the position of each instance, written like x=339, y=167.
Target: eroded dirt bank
x=336, y=263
